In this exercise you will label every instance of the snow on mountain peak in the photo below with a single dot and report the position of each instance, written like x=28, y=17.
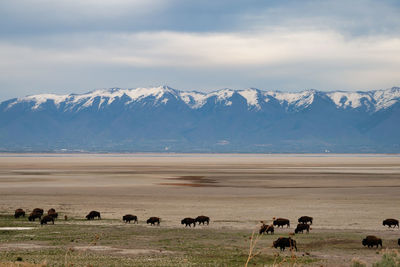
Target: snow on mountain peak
x=350, y=99
x=301, y=99
x=251, y=96
x=372, y=100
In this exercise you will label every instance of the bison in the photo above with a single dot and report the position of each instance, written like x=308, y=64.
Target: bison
x=390, y=222
x=281, y=222
x=129, y=217
x=93, y=214
x=202, y=219
x=283, y=242
x=33, y=216
x=188, y=222
x=18, y=213
x=266, y=229
x=52, y=213
x=38, y=210
x=371, y=241
x=47, y=219
x=153, y=220
x=301, y=227
x=305, y=219
x=398, y=241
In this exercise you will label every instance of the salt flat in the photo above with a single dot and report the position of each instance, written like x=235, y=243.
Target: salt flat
x=341, y=192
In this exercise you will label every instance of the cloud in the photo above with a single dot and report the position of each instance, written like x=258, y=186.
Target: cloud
x=275, y=48
x=63, y=46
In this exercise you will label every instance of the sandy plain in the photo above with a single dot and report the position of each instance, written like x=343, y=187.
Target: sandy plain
x=344, y=193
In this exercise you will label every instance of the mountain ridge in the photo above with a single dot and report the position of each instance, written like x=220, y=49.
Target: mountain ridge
x=165, y=119
x=376, y=99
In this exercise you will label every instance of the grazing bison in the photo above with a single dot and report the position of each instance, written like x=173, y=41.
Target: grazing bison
x=52, y=213
x=283, y=242
x=33, y=216
x=93, y=214
x=203, y=219
x=18, y=213
x=301, y=227
x=188, y=222
x=371, y=241
x=47, y=219
x=305, y=219
x=129, y=217
x=153, y=220
x=281, y=222
x=266, y=229
x=38, y=210
x=390, y=223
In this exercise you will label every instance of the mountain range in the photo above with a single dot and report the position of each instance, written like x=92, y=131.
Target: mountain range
x=163, y=119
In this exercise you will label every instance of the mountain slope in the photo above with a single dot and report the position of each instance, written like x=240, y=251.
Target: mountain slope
x=162, y=118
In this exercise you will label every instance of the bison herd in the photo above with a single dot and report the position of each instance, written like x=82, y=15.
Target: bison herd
x=304, y=224
x=37, y=213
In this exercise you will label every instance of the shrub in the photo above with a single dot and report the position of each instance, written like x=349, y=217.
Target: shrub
x=390, y=258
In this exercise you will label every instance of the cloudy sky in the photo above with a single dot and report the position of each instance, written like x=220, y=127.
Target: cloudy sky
x=76, y=46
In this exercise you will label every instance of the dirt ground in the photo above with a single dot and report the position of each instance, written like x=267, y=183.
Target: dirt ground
x=346, y=194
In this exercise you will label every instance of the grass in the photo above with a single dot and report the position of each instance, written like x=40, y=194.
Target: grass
x=65, y=244
x=204, y=246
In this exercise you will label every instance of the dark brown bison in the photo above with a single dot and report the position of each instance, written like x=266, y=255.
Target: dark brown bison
x=129, y=217
x=52, y=213
x=33, y=216
x=153, y=220
x=93, y=214
x=202, y=219
x=284, y=242
x=390, y=223
x=371, y=241
x=305, y=219
x=188, y=222
x=47, y=219
x=266, y=229
x=281, y=222
x=398, y=241
x=18, y=213
x=301, y=227
x=38, y=210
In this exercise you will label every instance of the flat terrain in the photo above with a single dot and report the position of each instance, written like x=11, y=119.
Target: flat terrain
x=348, y=196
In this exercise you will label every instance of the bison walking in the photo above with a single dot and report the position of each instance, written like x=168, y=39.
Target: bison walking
x=301, y=227
x=153, y=220
x=281, y=222
x=47, y=219
x=305, y=219
x=390, y=223
x=18, y=213
x=93, y=214
x=129, y=217
x=202, y=219
x=188, y=222
x=285, y=242
x=371, y=241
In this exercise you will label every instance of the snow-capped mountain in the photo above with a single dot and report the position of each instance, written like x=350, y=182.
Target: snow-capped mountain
x=162, y=118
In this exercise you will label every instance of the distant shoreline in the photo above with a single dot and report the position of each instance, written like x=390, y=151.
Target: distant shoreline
x=181, y=154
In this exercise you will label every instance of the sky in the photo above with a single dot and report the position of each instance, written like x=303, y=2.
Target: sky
x=75, y=46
